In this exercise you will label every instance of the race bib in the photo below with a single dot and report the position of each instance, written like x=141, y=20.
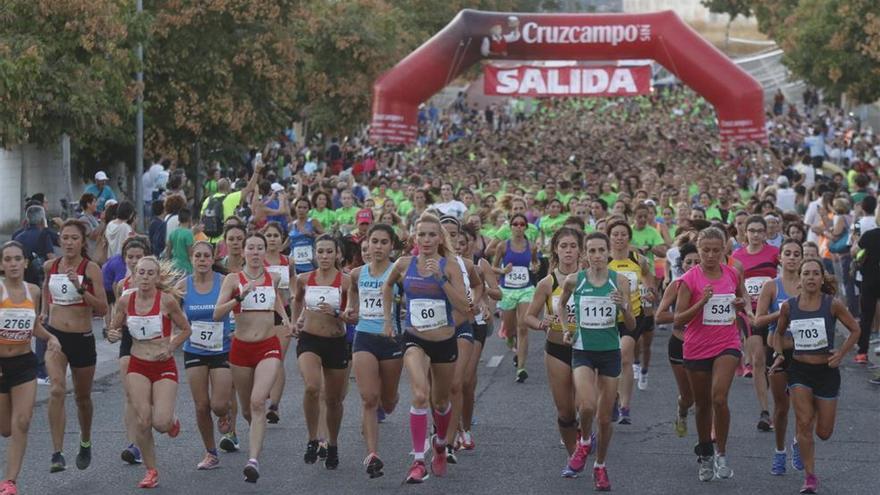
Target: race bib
x=207, y=335
x=302, y=255
x=597, y=313
x=517, y=278
x=283, y=273
x=371, y=304
x=754, y=284
x=633, y=278
x=322, y=294
x=262, y=298
x=427, y=314
x=17, y=324
x=718, y=310
x=63, y=291
x=809, y=334
x=145, y=327
x=569, y=308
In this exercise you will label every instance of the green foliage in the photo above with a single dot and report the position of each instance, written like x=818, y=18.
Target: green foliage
x=733, y=8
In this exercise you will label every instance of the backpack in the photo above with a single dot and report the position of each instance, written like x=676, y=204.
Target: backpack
x=212, y=217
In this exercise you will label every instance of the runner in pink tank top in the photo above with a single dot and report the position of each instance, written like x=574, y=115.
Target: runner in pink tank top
x=709, y=297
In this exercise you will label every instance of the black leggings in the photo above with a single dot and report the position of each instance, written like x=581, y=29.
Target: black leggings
x=868, y=305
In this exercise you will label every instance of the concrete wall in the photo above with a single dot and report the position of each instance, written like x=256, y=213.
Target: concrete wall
x=43, y=172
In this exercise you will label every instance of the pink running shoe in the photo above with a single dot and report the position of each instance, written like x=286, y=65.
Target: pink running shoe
x=600, y=479
x=438, y=461
x=579, y=458
x=8, y=488
x=811, y=484
x=418, y=473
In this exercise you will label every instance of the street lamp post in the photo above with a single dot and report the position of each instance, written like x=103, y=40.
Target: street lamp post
x=139, y=140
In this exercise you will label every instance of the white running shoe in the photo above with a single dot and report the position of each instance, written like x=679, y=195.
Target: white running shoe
x=722, y=470
x=643, y=381
x=707, y=472
x=637, y=371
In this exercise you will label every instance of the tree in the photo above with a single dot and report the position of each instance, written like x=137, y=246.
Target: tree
x=733, y=9
x=65, y=67
x=833, y=45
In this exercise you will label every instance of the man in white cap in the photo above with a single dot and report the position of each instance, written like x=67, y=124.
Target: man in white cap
x=101, y=190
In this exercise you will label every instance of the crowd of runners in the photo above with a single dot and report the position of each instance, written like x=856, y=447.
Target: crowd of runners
x=598, y=222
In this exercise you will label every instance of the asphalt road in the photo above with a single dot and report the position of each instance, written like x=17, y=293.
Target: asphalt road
x=518, y=449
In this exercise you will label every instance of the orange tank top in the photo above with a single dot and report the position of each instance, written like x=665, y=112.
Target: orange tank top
x=17, y=320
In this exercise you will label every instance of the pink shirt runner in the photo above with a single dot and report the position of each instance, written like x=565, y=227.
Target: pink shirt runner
x=702, y=340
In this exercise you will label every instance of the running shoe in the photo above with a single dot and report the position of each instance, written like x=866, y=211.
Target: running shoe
x=568, y=473
x=747, y=371
x=796, y=461
x=417, y=473
x=515, y=359
x=467, y=441
x=331, y=461
x=272, y=415
x=778, y=468
x=811, y=484
x=151, y=479
x=224, y=423
x=861, y=358
x=624, y=417
x=43, y=381
x=380, y=415
x=252, y=471
x=875, y=380
x=132, y=455
x=637, y=370
x=521, y=375
x=450, y=455
x=58, y=463
x=175, y=428
x=8, y=488
x=764, y=422
x=210, y=461
x=84, y=457
x=707, y=471
x=311, y=455
x=681, y=425
x=438, y=461
x=229, y=442
x=643, y=381
x=374, y=466
x=322, y=449
x=578, y=459
x=722, y=470
x=600, y=479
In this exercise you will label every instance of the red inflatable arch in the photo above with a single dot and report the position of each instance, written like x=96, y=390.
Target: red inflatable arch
x=475, y=35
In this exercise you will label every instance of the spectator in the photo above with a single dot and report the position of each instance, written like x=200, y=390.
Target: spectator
x=101, y=190
x=785, y=195
x=120, y=228
x=88, y=204
x=157, y=230
x=173, y=204
x=149, y=184
x=179, y=247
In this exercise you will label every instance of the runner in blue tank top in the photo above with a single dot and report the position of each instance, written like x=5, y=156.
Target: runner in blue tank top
x=433, y=285
x=514, y=261
x=773, y=294
x=206, y=352
x=814, y=373
x=303, y=231
x=378, y=359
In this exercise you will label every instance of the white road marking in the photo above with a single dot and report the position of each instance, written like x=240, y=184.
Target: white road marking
x=495, y=361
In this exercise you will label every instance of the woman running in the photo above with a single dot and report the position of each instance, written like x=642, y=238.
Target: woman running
x=76, y=294
x=279, y=265
x=601, y=303
x=255, y=352
x=234, y=234
x=303, y=231
x=773, y=294
x=709, y=297
x=206, y=353
x=378, y=360
x=321, y=350
x=688, y=258
x=514, y=260
x=759, y=261
x=464, y=331
x=814, y=373
x=152, y=379
x=635, y=268
x=19, y=301
x=133, y=249
x=566, y=246
x=482, y=323
x=433, y=286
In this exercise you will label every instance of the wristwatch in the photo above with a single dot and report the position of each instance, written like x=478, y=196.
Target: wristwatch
x=442, y=278
x=778, y=354
x=238, y=298
x=81, y=290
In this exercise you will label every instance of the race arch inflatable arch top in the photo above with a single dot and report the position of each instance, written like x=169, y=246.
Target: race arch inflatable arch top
x=475, y=35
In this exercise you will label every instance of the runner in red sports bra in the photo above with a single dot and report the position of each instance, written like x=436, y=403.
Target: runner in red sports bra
x=278, y=265
x=152, y=372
